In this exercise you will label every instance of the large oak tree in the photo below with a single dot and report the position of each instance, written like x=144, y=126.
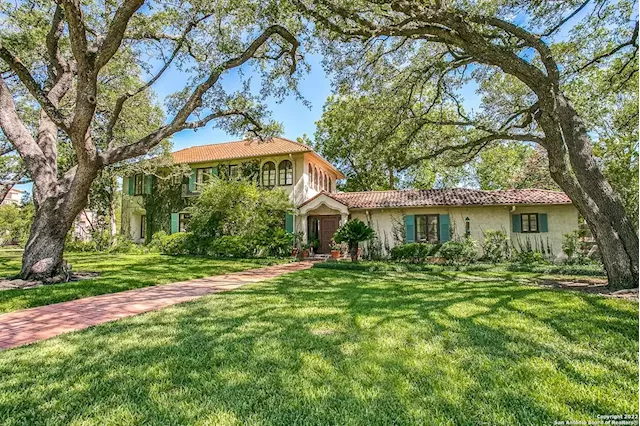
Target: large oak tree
x=56, y=54
x=523, y=70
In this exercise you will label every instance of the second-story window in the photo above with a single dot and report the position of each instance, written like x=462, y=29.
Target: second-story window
x=269, y=174
x=310, y=176
x=234, y=172
x=285, y=171
x=330, y=185
x=203, y=175
x=315, y=178
x=138, y=184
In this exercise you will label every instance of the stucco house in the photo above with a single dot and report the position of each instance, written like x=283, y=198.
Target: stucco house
x=435, y=215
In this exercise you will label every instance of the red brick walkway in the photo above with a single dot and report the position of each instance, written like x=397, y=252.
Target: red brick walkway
x=31, y=325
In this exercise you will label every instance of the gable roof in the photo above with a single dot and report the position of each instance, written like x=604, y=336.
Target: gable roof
x=447, y=197
x=248, y=148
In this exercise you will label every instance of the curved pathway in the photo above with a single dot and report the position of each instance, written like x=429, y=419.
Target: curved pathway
x=31, y=325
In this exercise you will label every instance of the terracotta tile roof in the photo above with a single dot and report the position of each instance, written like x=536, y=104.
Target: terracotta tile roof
x=448, y=197
x=238, y=149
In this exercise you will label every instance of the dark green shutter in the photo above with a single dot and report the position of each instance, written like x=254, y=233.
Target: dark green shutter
x=148, y=182
x=175, y=222
x=410, y=228
x=131, y=179
x=516, y=224
x=192, y=180
x=288, y=223
x=445, y=228
x=543, y=223
x=214, y=171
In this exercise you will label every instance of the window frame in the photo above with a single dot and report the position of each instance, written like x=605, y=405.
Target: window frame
x=138, y=184
x=285, y=171
x=529, y=216
x=233, y=172
x=270, y=170
x=183, y=221
x=426, y=240
x=205, y=176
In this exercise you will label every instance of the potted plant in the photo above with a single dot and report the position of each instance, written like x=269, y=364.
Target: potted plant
x=353, y=232
x=305, y=250
x=335, y=250
x=297, y=242
x=314, y=243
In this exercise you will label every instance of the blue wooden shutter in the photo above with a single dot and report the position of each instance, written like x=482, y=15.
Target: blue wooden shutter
x=148, y=182
x=130, y=179
x=175, y=222
x=543, y=223
x=410, y=228
x=445, y=229
x=192, y=180
x=288, y=223
x=516, y=224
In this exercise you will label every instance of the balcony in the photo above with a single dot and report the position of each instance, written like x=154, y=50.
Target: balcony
x=186, y=192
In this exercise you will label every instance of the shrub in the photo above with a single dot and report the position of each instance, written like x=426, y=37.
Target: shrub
x=353, y=232
x=253, y=216
x=229, y=246
x=80, y=246
x=173, y=244
x=495, y=246
x=125, y=245
x=277, y=243
x=459, y=252
x=413, y=252
x=571, y=246
x=528, y=257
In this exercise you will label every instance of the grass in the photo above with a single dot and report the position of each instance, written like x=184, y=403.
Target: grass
x=118, y=272
x=327, y=346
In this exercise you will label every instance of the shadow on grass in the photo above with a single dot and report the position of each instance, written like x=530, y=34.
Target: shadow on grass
x=118, y=272
x=340, y=347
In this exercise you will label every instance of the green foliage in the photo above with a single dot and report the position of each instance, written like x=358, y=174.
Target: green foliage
x=531, y=250
x=174, y=244
x=249, y=216
x=230, y=246
x=414, y=252
x=15, y=223
x=459, y=252
x=513, y=165
x=572, y=247
x=378, y=148
x=353, y=232
x=495, y=246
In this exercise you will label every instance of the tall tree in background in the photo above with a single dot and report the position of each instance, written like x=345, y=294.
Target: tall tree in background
x=380, y=144
x=512, y=165
x=57, y=52
x=524, y=73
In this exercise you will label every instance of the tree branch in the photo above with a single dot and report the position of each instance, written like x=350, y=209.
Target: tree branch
x=194, y=101
x=33, y=87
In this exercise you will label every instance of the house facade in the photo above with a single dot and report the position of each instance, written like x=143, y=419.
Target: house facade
x=537, y=218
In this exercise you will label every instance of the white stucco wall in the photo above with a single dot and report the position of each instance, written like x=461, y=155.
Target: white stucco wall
x=388, y=223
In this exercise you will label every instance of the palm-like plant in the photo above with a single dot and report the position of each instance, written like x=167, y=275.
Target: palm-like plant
x=353, y=232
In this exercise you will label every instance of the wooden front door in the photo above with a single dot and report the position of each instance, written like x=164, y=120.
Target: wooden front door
x=328, y=226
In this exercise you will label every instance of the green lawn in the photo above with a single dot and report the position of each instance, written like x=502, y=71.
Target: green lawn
x=341, y=347
x=118, y=272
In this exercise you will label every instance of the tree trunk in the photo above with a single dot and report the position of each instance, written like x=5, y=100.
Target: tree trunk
x=42, y=257
x=353, y=251
x=569, y=164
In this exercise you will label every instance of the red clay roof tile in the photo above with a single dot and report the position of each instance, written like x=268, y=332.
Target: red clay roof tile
x=448, y=197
